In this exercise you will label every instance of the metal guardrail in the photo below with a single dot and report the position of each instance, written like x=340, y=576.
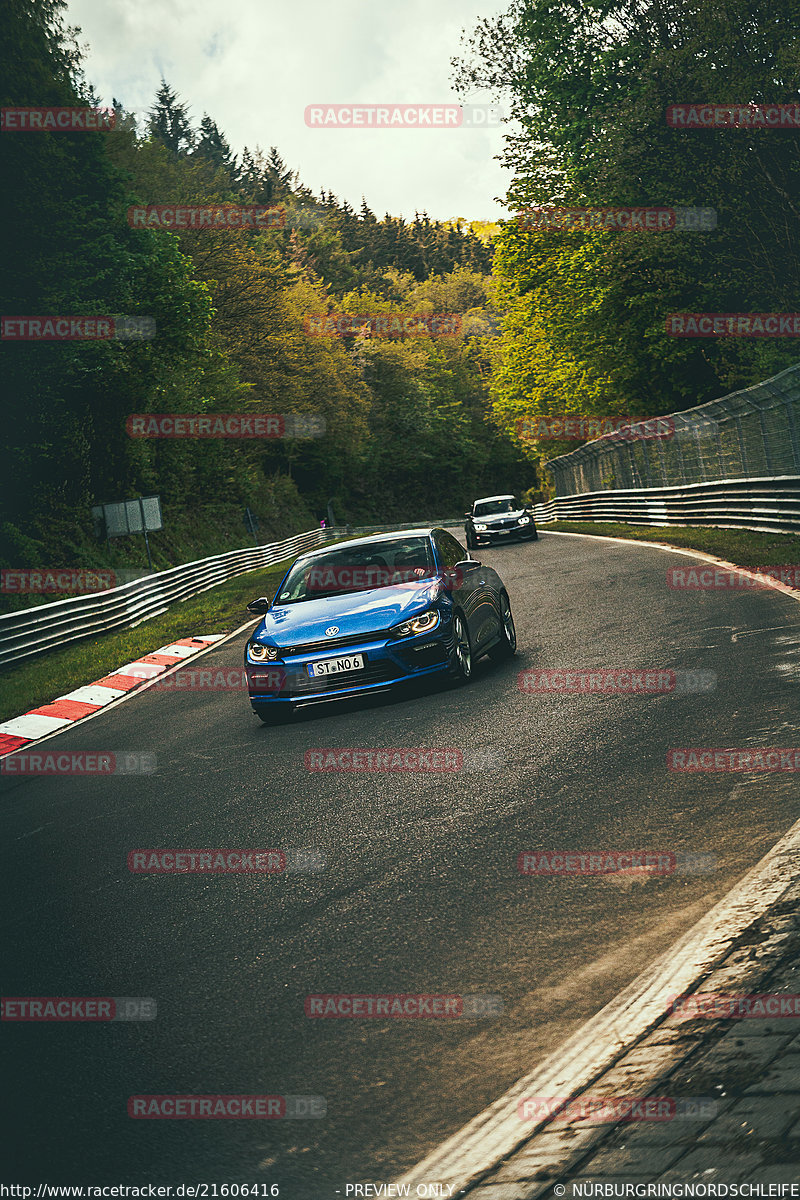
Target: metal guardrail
x=753, y=434
x=44, y=627
x=362, y=530
x=770, y=504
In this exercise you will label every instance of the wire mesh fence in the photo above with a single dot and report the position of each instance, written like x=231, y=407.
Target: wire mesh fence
x=749, y=434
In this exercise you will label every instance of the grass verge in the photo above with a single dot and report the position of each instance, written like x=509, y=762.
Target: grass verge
x=220, y=610
x=743, y=547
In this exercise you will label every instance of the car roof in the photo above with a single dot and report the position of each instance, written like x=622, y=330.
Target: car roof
x=370, y=540
x=483, y=499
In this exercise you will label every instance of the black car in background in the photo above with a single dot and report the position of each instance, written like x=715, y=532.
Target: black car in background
x=499, y=519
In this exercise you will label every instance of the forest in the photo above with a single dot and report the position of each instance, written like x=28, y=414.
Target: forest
x=417, y=422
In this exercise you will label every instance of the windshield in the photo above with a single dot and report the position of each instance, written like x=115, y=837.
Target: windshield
x=358, y=569
x=491, y=508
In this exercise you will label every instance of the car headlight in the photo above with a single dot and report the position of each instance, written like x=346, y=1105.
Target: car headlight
x=257, y=652
x=524, y=521
x=422, y=624
x=481, y=527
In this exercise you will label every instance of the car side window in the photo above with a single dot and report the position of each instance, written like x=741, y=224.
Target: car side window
x=449, y=549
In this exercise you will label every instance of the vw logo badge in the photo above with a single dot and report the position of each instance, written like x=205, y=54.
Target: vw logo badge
x=331, y=630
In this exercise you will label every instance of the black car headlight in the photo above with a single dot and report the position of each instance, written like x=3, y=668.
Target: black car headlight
x=524, y=521
x=257, y=652
x=421, y=624
x=480, y=527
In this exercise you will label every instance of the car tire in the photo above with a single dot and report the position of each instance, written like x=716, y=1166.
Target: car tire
x=461, y=657
x=471, y=542
x=507, y=646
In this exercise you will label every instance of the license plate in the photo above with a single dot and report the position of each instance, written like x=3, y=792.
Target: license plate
x=334, y=666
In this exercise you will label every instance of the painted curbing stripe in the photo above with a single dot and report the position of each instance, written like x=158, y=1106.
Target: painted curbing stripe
x=141, y=670
x=33, y=725
x=97, y=697
x=93, y=693
x=177, y=650
x=9, y=743
x=73, y=710
x=120, y=683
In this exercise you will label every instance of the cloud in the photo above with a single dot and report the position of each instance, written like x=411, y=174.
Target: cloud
x=255, y=65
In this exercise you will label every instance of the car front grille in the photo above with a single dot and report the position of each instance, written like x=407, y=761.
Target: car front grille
x=300, y=683
x=331, y=643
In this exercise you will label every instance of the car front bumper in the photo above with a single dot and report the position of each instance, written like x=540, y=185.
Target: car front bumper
x=389, y=663
x=520, y=533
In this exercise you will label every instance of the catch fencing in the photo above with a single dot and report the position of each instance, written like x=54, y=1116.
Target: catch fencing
x=734, y=462
x=46, y=626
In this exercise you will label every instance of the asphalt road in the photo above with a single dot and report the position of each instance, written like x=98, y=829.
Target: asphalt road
x=420, y=893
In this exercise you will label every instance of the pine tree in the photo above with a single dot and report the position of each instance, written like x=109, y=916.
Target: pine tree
x=213, y=146
x=169, y=121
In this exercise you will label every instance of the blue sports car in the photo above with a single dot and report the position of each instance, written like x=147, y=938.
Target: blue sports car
x=369, y=614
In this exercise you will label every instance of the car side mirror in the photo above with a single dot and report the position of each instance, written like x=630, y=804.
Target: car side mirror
x=466, y=564
x=259, y=606
x=467, y=515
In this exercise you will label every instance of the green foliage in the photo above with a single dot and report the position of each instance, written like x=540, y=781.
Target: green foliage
x=590, y=82
x=407, y=429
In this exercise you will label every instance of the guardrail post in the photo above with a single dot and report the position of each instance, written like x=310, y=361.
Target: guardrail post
x=793, y=432
x=742, y=448
x=765, y=440
x=635, y=476
x=700, y=462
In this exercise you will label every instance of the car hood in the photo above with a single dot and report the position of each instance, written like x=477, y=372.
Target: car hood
x=369, y=611
x=497, y=518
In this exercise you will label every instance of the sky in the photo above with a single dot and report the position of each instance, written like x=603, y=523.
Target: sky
x=254, y=66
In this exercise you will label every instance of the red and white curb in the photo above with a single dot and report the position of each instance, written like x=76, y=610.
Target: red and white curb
x=86, y=701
